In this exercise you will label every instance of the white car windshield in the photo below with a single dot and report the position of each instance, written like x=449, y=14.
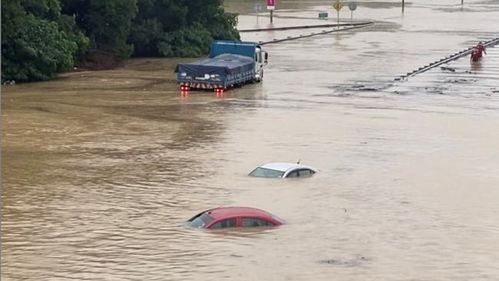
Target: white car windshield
x=266, y=173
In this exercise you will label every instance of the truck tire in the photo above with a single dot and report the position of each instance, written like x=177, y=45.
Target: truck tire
x=261, y=77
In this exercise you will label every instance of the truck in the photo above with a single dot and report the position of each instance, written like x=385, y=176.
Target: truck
x=229, y=64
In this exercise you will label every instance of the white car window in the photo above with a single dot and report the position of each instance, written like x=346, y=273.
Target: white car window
x=266, y=173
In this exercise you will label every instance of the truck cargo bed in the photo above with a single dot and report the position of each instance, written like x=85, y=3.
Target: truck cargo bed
x=222, y=71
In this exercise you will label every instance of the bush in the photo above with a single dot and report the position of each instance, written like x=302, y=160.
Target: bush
x=180, y=29
x=37, y=42
x=36, y=50
x=43, y=37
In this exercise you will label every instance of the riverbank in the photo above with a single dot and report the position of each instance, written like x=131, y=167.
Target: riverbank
x=134, y=75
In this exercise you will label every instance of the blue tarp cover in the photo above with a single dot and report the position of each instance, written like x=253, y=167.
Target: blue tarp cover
x=223, y=65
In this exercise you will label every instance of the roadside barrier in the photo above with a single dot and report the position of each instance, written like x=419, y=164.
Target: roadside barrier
x=306, y=26
x=345, y=27
x=444, y=60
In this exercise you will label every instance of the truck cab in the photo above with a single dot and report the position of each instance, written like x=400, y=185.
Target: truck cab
x=244, y=48
x=261, y=58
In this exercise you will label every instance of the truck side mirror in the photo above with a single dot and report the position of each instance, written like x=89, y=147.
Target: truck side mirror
x=266, y=57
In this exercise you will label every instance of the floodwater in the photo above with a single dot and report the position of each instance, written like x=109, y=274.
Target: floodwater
x=101, y=169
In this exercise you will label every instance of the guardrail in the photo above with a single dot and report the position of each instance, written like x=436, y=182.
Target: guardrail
x=352, y=26
x=306, y=26
x=444, y=60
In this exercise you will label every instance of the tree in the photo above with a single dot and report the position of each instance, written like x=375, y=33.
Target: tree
x=43, y=37
x=154, y=26
x=107, y=23
x=46, y=9
x=210, y=14
x=182, y=28
x=34, y=48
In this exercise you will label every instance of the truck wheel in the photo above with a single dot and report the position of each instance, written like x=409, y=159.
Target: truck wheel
x=261, y=76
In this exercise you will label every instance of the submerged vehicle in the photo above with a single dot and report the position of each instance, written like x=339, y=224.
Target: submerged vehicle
x=230, y=64
x=223, y=217
x=283, y=170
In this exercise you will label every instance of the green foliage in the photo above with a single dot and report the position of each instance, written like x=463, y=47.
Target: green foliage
x=43, y=37
x=193, y=41
x=171, y=14
x=107, y=23
x=33, y=48
x=36, y=50
x=150, y=40
x=210, y=14
x=181, y=28
x=67, y=25
x=47, y=9
x=223, y=26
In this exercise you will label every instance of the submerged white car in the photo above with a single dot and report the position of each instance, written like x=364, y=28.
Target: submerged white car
x=283, y=170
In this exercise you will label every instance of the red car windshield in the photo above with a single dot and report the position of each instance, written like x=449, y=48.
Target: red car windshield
x=200, y=221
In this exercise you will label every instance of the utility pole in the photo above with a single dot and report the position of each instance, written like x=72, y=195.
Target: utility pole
x=403, y=4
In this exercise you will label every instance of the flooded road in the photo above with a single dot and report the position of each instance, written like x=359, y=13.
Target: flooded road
x=100, y=170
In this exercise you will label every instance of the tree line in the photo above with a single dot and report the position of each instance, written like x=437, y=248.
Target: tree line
x=43, y=37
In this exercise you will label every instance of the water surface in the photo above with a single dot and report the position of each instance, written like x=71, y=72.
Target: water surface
x=101, y=169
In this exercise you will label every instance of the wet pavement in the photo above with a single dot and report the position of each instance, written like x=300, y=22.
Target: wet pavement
x=101, y=169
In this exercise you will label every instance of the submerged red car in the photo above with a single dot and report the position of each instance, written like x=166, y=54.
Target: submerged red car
x=223, y=217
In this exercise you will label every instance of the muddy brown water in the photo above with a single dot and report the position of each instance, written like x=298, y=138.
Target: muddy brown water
x=101, y=169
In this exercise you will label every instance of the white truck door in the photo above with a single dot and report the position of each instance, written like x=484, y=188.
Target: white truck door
x=258, y=64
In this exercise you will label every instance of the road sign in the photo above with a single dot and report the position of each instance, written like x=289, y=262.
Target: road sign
x=352, y=6
x=257, y=7
x=270, y=4
x=337, y=6
x=271, y=7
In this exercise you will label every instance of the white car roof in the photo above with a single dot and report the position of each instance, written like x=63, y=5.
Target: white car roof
x=283, y=167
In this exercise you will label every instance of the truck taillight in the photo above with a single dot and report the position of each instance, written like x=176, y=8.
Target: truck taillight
x=219, y=92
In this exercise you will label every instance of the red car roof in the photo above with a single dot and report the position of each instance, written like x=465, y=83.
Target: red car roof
x=227, y=212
